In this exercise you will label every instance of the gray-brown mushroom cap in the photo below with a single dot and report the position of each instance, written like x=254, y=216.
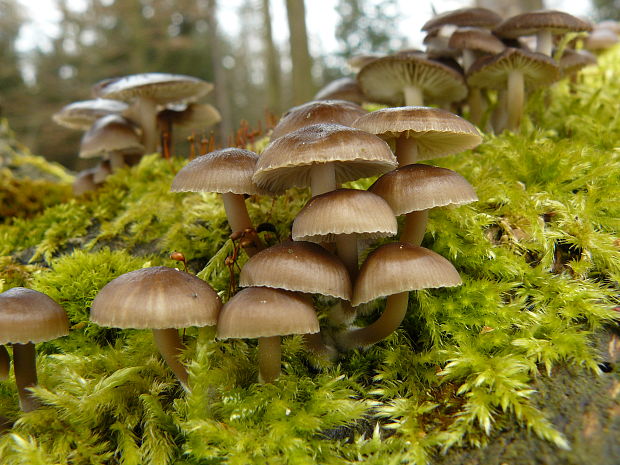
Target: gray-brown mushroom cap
x=298, y=266
x=400, y=267
x=345, y=88
x=111, y=133
x=464, y=17
x=492, y=72
x=81, y=115
x=438, y=133
x=156, y=298
x=355, y=154
x=479, y=40
x=257, y=312
x=344, y=211
x=163, y=88
x=222, y=171
x=27, y=316
x=384, y=80
x=316, y=112
x=421, y=187
x=558, y=22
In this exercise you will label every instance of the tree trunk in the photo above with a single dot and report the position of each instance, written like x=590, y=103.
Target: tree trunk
x=303, y=89
x=272, y=63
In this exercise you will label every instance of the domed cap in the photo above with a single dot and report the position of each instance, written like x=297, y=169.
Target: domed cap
x=421, y=187
x=384, y=80
x=557, y=22
x=492, y=72
x=30, y=316
x=222, y=171
x=344, y=211
x=111, y=133
x=320, y=111
x=163, y=88
x=264, y=312
x=81, y=115
x=298, y=266
x=345, y=88
x=480, y=40
x=464, y=17
x=574, y=60
x=156, y=298
x=194, y=115
x=438, y=133
x=401, y=267
x=355, y=154
x=601, y=39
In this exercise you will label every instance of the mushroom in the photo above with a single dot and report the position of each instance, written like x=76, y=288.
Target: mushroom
x=161, y=299
x=5, y=363
x=415, y=189
x=321, y=156
x=267, y=314
x=315, y=112
x=229, y=172
x=420, y=133
x=464, y=17
x=28, y=317
x=81, y=115
x=393, y=270
x=345, y=88
x=149, y=90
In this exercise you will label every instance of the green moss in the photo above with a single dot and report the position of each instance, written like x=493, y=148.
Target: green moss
x=539, y=259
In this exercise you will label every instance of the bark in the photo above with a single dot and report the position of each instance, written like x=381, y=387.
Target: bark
x=303, y=89
x=272, y=63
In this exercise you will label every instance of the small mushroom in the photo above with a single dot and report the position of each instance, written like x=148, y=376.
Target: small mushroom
x=267, y=314
x=28, y=317
x=161, y=299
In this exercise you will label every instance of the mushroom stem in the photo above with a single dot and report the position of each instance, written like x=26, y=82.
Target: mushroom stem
x=146, y=111
x=413, y=96
x=269, y=359
x=117, y=161
x=386, y=324
x=346, y=249
x=515, y=99
x=170, y=347
x=315, y=344
x=469, y=56
x=544, y=42
x=406, y=150
x=5, y=363
x=476, y=105
x=322, y=178
x=25, y=366
x=238, y=218
x=415, y=227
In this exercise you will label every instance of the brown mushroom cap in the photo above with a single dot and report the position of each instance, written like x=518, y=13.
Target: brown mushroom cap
x=257, y=312
x=492, y=72
x=81, y=115
x=30, y=316
x=194, y=115
x=480, y=40
x=400, y=267
x=111, y=133
x=384, y=80
x=438, y=133
x=355, y=154
x=320, y=111
x=558, y=22
x=421, y=187
x=345, y=88
x=344, y=211
x=464, y=17
x=163, y=88
x=222, y=171
x=574, y=60
x=298, y=266
x=156, y=298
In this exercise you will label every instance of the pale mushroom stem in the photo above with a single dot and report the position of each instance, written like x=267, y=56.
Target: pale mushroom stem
x=413, y=96
x=146, y=111
x=468, y=59
x=170, y=347
x=515, y=99
x=386, y=324
x=315, y=344
x=346, y=249
x=238, y=218
x=25, y=366
x=117, y=161
x=5, y=363
x=406, y=150
x=269, y=359
x=415, y=227
x=322, y=178
x=544, y=42
x=476, y=105
x=500, y=113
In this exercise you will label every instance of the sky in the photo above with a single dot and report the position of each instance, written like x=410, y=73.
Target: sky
x=321, y=19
